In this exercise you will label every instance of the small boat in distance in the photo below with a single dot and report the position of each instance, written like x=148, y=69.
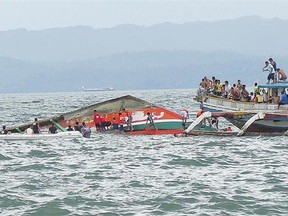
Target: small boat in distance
x=98, y=89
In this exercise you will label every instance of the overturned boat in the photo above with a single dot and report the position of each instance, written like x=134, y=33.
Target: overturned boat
x=166, y=121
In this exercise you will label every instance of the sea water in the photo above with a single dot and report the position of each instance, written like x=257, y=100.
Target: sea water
x=112, y=174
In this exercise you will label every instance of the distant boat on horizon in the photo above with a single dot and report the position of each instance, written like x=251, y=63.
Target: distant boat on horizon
x=98, y=89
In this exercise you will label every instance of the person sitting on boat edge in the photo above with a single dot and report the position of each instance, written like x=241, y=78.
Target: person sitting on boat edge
x=53, y=129
x=35, y=126
x=280, y=75
x=284, y=99
x=85, y=130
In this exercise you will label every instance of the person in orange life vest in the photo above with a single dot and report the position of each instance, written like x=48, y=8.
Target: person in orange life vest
x=103, y=123
x=97, y=120
x=115, y=122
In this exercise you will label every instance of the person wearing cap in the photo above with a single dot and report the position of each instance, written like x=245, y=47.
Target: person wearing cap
x=281, y=75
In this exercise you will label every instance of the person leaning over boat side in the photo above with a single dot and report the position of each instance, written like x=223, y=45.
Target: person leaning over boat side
x=151, y=121
x=35, y=126
x=53, y=129
x=85, y=130
x=283, y=99
x=268, y=67
x=281, y=75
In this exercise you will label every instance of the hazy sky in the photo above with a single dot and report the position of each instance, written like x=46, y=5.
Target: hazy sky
x=42, y=14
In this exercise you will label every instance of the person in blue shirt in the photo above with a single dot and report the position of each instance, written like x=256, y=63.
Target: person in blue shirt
x=283, y=99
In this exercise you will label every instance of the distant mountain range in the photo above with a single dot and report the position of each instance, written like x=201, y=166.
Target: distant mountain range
x=136, y=57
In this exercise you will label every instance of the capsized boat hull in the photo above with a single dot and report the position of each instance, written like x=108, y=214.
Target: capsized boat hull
x=164, y=119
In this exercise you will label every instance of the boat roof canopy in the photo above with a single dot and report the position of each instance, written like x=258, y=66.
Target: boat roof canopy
x=274, y=85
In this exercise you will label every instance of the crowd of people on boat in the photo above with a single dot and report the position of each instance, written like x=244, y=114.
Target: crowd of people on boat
x=238, y=91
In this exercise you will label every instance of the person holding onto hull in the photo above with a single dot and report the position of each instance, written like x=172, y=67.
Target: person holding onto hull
x=151, y=121
x=85, y=130
x=97, y=120
x=70, y=128
x=35, y=126
x=185, y=115
x=77, y=127
x=53, y=129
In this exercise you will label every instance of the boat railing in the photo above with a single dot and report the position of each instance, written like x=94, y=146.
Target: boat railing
x=223, y=103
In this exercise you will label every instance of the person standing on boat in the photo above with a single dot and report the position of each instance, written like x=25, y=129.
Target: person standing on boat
x=268, y=67
x=129, y=119
x=35, y=126
x=273, y=63
x=97, y=120
x=151, y=121
x=185, y=115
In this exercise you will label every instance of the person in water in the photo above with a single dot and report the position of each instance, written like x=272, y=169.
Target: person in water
x=53, y=129
x=35, y=126
x=70, y=128
x=77, y=127
x=85, y=130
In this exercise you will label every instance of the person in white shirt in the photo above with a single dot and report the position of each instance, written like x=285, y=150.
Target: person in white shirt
x=268, y=67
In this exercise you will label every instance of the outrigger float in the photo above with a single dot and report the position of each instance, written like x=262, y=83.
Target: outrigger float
x=166, y=121
x=250, y=117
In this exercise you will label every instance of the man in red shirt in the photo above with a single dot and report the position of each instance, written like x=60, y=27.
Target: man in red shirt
x=97, y=120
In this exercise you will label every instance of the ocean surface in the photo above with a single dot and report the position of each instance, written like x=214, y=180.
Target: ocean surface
x=112, y=174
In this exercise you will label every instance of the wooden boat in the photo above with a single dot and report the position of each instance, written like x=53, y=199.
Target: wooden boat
x=166, y=121
x=249, y=116
x=42, y=136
